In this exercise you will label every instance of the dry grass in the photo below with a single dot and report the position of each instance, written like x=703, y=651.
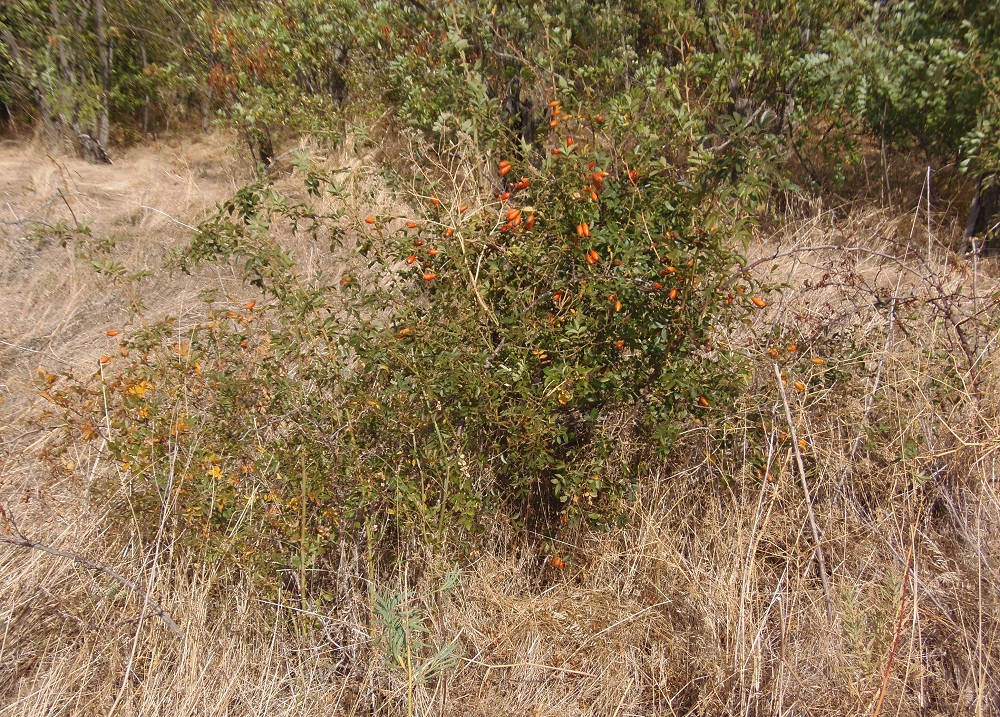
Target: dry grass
x=708, y=601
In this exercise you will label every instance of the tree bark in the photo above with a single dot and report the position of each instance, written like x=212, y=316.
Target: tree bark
x=24, y=68
x=104, y=54
x=145, y=106
x=983, y=224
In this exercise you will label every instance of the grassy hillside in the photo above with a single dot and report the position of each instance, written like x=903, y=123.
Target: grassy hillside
x=707, y=597
x=574, y=359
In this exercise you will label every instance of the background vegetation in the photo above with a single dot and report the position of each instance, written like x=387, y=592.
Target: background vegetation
x=657, y=305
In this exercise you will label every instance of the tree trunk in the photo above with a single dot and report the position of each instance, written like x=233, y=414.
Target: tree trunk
x=27, y=72
x=983, y=224
x=67, y=77
x=145, y=106
x=104, y=54
x=67, y=109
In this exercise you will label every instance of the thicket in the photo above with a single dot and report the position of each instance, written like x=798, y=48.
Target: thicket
x=901, y=73
x=554, y=299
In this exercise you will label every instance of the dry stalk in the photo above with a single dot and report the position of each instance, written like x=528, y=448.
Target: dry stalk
x=90, y=565
x=805, y=489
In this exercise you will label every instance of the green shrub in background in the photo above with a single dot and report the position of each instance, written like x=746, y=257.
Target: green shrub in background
x=281, y=66
x=906, y=74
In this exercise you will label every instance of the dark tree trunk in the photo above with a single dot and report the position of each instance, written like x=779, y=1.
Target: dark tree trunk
x=145, y=104
x=518, y=114
x=983, y=226
x=261, y=146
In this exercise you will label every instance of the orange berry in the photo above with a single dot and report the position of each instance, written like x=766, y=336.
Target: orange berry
x=243, y=344
x=529, y=222
x=818, y=361
x=505, y=196
x=657, y=286
x=593, y=257
x=556, y=150
x=249, y=305
x=799, y=386
x=463, y=208
x=418, y=242
x=112, y=333
x=671, y=269
x=105, y=359
x=369, y=220
x=599, y=119
x=557, y=296
x=429, y=276
x=435, y=201
x=557, y=563
x=411, y=225
x=673, y=294
x=512, y=214
x=504, y=171
x=434, y=252
x=569, y=141
x=554, y=103
x=449, y=231
x=523, y=183
x=703, y=402
x=793, y=348
x=759, y=303
x=553, y=122
x=503, y=163
x=410, y=259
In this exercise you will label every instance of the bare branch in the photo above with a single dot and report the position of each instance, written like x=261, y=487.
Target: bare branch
x=90, y=565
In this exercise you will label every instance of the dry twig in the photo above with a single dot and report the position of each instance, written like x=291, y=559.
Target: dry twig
x=90, y=565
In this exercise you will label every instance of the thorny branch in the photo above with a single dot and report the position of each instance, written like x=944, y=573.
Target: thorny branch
x=90, y=565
